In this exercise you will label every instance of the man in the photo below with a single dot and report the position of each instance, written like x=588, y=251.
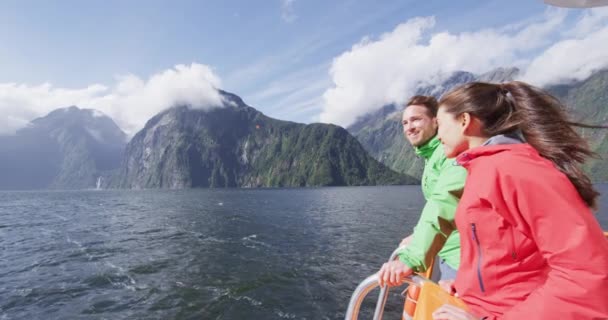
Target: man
x=442, y=184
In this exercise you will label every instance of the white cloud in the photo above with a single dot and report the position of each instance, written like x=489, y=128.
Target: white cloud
x=583, y=50
x=130, y=102
x=287, y=12
x=376, y=72
x=19, y=103
x=589, y=21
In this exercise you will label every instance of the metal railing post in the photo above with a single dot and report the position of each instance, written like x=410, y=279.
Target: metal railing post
x=383, y=295
x=367, y=285
x=363, y=289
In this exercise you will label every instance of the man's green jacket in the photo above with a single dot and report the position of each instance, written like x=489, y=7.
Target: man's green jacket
x=442, y=185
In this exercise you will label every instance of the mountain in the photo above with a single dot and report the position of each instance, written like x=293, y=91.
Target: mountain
x=498, y=75
x=381, y=133
x=234, y=145
x=587, y=101
x=69, y=148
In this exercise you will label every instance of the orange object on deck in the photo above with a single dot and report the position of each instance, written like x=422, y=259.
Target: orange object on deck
x=431, y=297
x=411, y=300
x=412, y=294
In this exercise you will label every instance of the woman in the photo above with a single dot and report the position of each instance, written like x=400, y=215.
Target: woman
x=530, y=245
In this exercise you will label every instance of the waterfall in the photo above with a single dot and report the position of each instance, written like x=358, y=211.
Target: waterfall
x=98, y=184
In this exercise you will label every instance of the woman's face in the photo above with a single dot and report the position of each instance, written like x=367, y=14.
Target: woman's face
x=451, y=133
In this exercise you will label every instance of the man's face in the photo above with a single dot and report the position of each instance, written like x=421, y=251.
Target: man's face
x=418, y=126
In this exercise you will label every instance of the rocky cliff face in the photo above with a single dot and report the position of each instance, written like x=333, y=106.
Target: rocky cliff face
x=587, y=102
x=234, y=145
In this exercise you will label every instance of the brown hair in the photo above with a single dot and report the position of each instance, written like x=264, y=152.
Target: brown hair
x=429, y=102
x=540, y=117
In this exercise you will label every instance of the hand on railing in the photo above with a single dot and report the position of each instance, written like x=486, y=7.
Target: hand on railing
x=369, y=284
x=393, y=273
x=405, y=242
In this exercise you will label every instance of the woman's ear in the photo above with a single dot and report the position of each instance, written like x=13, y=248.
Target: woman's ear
x=465, y=121
x=470, y=125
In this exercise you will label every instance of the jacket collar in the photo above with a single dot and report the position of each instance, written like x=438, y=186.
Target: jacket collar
x=494, y=145
x=507, y=138
x=426, y=150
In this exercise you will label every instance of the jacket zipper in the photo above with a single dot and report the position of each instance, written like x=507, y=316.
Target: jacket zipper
x=481, y=286
x=513, y=251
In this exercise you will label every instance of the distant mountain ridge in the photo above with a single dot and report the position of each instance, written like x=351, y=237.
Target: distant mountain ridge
x=234, y=145
x=70, y=148
x=381, y=134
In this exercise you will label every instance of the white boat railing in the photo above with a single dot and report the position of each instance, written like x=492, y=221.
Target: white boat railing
x=363, y=289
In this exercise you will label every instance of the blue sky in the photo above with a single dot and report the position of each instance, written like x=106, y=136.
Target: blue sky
x=74, y=43
x=276, y=54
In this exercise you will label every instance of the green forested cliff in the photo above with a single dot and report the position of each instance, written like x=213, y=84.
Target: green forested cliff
x=235, y=145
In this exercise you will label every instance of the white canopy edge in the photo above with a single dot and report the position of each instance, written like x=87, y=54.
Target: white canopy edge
x=577, y=3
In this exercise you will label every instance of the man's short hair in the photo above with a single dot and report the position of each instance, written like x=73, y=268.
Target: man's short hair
x=429, y=102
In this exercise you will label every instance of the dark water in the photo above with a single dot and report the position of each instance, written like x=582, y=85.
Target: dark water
x=198, y=254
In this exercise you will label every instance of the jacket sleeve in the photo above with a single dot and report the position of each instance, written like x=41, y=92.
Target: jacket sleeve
x=570, y=239
x=428, y=239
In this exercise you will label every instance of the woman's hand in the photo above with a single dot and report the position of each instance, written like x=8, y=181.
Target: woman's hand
x=393, y=273
x=448, y=285
x=450, y=312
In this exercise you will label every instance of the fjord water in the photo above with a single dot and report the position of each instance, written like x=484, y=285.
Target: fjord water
x=199, y=254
